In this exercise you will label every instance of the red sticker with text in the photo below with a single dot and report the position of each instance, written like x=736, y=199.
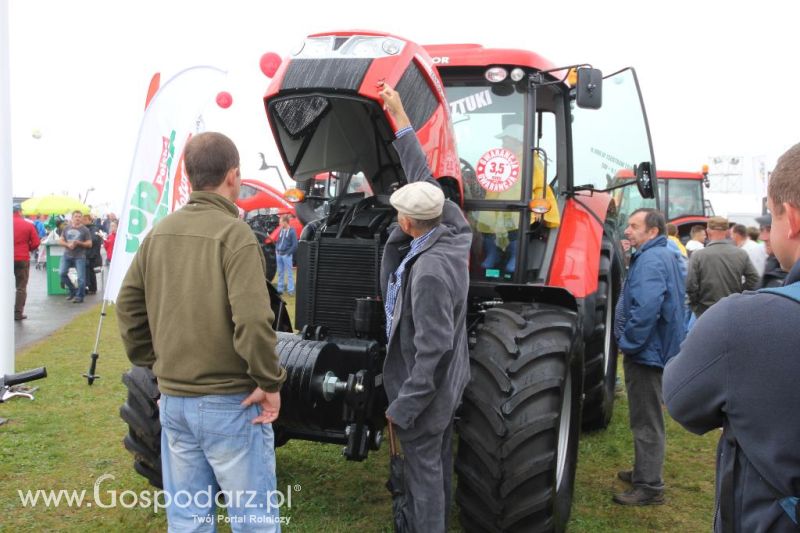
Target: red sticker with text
x=497, y=170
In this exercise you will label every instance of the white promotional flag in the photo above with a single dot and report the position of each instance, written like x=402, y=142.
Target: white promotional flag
x=157, y=185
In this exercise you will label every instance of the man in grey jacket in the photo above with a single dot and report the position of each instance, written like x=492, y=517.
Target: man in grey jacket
x=724, y=376
x=424, y=279
x=718, y=270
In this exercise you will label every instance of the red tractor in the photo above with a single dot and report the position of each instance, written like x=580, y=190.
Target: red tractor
x=533, y=143
x=681, y=198
x=263, y=205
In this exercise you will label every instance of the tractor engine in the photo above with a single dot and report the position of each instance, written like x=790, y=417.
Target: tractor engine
x=336, y=141
x=333, y=392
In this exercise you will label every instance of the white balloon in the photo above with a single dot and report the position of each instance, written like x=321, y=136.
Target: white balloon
x=36, y=133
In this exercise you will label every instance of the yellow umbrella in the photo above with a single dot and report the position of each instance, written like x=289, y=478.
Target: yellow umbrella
x=52, y=204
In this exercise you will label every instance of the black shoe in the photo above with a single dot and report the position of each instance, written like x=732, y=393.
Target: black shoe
x=20, y=317
x=640, y=496
x=70, y=298
x=625, y=475
x=91, y=292
x=77, y=301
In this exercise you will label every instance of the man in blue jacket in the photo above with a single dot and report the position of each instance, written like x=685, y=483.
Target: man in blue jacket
x=724, y=376
x=285, y=246
x=650, y=328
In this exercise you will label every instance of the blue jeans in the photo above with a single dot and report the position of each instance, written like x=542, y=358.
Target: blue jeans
x=494, y=255
x=285, y=268
x=79, y=263
x=208, y=445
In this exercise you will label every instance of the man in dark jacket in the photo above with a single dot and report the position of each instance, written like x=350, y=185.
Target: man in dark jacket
x=717, y=270
x=650, y=328
x=424, y=279
x=724, y=376
x=93, y=257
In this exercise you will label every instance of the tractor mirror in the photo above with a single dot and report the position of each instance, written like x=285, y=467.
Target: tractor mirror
x=589, y=88
x=644, y=180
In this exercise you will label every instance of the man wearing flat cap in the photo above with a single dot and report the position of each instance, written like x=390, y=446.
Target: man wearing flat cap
x=424, y=280
x=718, y=270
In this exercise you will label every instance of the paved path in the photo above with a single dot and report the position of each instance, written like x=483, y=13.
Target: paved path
x=48, y=313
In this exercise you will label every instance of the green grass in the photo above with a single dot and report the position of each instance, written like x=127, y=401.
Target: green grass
x=72, y=434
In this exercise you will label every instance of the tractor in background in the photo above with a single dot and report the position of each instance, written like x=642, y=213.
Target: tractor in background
x=681, y=198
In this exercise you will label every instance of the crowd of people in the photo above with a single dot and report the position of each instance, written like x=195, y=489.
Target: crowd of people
x=82, y=236
x=679, y=329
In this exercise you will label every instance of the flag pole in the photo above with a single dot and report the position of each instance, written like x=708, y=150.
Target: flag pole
x=91, y=376
x=6, y=198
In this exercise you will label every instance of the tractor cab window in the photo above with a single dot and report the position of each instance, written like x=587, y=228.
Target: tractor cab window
x=629, y=200
x=489, y=128
x=683, y=197
x=490, y=123
x=359, y=184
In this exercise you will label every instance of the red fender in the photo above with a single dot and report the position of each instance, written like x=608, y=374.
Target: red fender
x=576, y=261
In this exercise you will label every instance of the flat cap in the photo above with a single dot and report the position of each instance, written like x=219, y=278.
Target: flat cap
x=765, y=220
x=718, y=223
x=420, y=200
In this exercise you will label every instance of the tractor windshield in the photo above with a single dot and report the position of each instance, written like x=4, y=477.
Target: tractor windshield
x=682, y=198
x=489, y=126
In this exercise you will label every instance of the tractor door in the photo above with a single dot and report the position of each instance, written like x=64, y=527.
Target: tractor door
x=614, y=140
x=508, y=156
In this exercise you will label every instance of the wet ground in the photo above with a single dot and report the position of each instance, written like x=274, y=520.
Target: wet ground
x=46, y=313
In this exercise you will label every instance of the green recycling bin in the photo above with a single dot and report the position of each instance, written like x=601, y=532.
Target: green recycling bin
x=54, y=253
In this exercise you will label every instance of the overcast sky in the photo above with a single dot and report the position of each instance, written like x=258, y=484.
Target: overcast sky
x=719, y=78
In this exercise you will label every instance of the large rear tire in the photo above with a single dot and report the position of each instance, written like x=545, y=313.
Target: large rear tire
x=600, y=360
x=140, y=411
x=520, y=420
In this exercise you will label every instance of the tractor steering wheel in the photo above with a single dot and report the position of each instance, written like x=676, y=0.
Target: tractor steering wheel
x=469, y=178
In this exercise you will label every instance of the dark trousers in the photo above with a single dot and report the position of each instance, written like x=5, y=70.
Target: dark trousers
x=643, y=383
x=21, y=271
x=91, y=277
x=428, y=479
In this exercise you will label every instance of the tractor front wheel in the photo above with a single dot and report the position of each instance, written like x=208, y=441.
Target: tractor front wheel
x=520, y=420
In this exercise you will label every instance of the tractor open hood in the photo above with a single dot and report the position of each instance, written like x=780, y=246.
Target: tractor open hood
x=326, y=115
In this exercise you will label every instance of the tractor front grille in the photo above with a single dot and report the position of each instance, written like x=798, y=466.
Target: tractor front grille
x=331, y=274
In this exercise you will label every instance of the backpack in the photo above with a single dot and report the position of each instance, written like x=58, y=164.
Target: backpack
x=789, y=504
x=791, y=291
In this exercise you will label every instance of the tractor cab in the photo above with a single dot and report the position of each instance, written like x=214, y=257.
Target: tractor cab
x=532, y=137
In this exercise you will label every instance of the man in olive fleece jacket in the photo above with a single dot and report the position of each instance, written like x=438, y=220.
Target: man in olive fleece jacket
x=194, y=306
